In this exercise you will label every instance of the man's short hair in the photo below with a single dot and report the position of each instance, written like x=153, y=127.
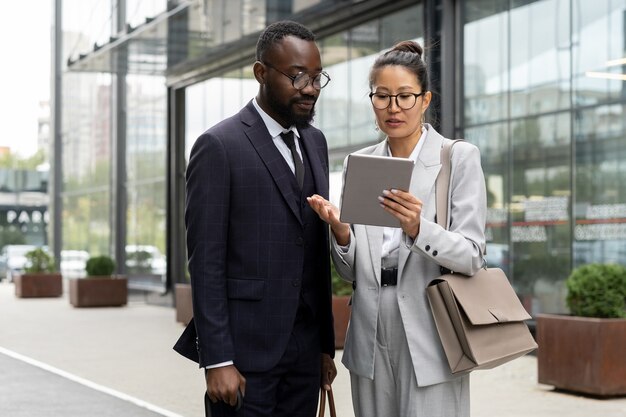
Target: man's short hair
x=277, y=31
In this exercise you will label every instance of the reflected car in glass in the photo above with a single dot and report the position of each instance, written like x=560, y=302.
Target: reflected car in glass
x=498, y=256
x=73, y=263
x=13, y=259
x=145, y=259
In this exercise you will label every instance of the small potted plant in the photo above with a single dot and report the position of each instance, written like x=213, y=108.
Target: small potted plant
x=342, y=291
x=40, y=278
x=100, y=288
x=584, y=352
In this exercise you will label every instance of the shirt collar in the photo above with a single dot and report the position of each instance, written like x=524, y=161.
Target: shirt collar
x=416, y=150
x=273, y=127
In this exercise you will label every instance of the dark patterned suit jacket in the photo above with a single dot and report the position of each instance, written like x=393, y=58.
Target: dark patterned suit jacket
x=244, y=244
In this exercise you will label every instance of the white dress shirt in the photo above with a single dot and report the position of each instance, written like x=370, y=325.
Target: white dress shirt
x=392, y=235
x=275, y=130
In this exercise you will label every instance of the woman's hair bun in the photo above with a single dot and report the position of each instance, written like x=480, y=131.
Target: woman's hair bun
x=409, y=46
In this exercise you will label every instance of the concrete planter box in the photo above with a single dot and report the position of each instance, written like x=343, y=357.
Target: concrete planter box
x=341, y=316
x=182, y=298
x=99, y=292
x=38, y=285
x=581, y=354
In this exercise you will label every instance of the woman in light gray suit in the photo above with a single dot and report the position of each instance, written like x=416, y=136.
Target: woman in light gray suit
x=392, y=349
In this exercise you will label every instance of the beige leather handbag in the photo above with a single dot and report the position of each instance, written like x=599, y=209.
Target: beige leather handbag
x=480, y=319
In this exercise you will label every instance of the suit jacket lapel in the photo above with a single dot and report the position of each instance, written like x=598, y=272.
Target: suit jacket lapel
x=257, y=133
x=423, y=179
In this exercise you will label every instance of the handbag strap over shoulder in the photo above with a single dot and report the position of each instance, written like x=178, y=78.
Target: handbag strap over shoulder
x=442, y=184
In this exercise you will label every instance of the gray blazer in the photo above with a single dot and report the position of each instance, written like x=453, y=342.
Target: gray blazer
x=459, y=249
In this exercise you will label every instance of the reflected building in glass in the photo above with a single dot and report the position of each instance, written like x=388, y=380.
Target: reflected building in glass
x=24, y=213
x=539, y=86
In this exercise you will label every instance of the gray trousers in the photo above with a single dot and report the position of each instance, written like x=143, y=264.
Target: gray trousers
x=394, y=392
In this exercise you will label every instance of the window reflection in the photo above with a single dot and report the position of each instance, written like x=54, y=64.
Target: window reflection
x=600, y=209
x=84, y=25
x=486, y=75
x=343, y=111
x=598, y=42
x=86, y=162
x=558, y=104
x=138, y=10
x=332, y=108
x=145, y=173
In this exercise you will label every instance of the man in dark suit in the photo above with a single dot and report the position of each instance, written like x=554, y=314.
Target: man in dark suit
x=258, y=254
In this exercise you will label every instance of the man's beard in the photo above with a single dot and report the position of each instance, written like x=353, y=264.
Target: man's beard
x=286, y=111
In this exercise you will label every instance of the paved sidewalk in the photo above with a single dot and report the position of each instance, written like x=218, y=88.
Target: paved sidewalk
x=29, y=391
x=122, y=357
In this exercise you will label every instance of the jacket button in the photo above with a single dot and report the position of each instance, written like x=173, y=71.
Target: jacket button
x=435, y=253
x=427, y=248
x=295, y=283
x=300, y=241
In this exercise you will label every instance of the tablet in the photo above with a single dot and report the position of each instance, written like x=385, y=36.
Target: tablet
x=366, y=178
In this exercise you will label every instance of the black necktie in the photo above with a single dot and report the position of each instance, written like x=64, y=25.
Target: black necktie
x=291, y=143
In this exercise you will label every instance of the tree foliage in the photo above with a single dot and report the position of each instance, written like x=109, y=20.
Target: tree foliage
x=14, y=161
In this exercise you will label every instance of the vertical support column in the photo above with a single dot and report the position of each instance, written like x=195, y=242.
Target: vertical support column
x=440, y=25
x=458, y=67
x=624, y=54
x=56, y=180
x=118, y=154
x=176, y=240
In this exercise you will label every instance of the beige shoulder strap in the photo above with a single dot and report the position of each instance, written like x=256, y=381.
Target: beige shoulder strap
x=442, y=184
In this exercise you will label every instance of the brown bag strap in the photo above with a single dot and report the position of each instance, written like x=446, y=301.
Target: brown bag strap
x=331, y=403
x=442, y=183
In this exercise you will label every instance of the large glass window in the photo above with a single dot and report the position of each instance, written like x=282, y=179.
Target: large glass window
x=344, y=110
x=145, y=170
x=545, y=102
x=86, y=23
x=137, y=11
x=23, y=207
x=486, y=51
x=539, y=70
x=212, y=101
x=332, y=106
x=86, y=162
x=86, y=131
x=598, y=51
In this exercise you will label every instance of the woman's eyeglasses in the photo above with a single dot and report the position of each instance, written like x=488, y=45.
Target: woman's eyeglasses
x=405, y=101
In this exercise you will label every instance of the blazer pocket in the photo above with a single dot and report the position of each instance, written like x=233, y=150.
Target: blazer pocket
x=246, y=289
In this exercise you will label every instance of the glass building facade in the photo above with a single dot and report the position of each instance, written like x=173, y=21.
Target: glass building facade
x=23, y=207
x=538, y=86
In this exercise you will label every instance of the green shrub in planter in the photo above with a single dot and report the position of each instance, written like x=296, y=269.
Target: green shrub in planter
x=597, y=290
x=39, y=261
x=100, y=266
x=341, y=287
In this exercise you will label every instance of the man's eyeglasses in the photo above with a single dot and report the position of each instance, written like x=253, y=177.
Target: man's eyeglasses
x=302, y=79
x=405, y=101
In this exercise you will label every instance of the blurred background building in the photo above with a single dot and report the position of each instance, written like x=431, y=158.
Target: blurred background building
x=539, y=86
